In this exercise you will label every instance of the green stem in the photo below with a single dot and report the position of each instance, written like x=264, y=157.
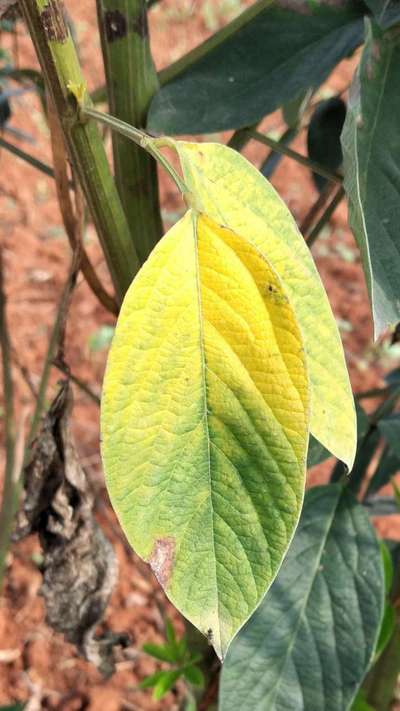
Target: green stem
x=38, y=164
x=149, y=144
x=61, y=70
x=240, y=138
x=131, y=83
x=324, y=219
x=6, y=511
x=381, y=680
x=298, y=157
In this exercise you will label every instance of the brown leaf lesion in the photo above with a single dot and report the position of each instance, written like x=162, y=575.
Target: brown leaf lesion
x=79, y=565
x=162, y=559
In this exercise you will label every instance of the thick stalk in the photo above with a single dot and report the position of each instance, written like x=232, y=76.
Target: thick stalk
x=131, y=82
x=381, y=680
x=61, y=70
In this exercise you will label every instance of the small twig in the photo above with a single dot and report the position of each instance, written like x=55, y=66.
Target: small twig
x=337, y=198
x=6, y=511
x=316, y=208
x=55, y=347
x=273, y=158
x=211, y=692
x=374, y=392
x=73, y=219
x=38, y=164
x=240, y=138
x=64, y=368
x=298, y=157
x=24, y=372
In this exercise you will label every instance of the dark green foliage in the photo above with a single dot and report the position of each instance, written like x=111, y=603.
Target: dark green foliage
x=269, y=61
x=183, y=664
x=313, y=637
x=323, y=137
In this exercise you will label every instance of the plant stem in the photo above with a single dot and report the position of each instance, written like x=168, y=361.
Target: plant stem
x=149, y=144
x=73, y=216
x=240, y=138
x=273, y=158
x=64, y=368
x=298, y=157
x=6, y=511
x=381, y=680
x=61, y=70
x=131, y=83
x=326, y=216
x=35, y=162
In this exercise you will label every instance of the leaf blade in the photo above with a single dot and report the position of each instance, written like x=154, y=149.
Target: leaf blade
x=371, y=167
x=249, y=82
x=205, y=465
x=296, y=645
x=232, y=192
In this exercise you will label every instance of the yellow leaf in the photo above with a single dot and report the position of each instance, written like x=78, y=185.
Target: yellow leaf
x=232, y=192
x=205, y=422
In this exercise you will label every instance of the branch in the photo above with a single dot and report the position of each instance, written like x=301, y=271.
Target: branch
x=61, y=71
x=6, y=511
x=298, y=157
x=73, y=222
x=125, y=43
x=38, y=164
x=324, y=219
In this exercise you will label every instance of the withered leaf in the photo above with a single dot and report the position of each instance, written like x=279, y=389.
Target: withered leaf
x=79, y=564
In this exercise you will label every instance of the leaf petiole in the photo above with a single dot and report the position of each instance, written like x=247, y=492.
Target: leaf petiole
x=142, y=139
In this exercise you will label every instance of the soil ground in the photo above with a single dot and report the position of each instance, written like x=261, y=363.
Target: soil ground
x=36, y=663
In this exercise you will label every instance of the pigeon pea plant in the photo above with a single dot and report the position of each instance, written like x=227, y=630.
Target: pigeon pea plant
x=226, y=376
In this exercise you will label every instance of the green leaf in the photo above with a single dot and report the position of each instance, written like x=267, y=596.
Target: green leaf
x=165, y=683
x=170, y=632
x=316, y=453
x=388, y=465
x=225, y=186
x=190, y=703
x=387, y=12
x=323, y=137
x=396, y=491
x=360, y=704
x=387, y=566
x=161, y=652
x=101, y=339
x=194, y=675
x=149, y=681
x=13, y=707
x=205, y=422
x=294, y=110
x=390, y=430
x=387, y=628
x=269, y=56
x=313, y=636
x=371, y=152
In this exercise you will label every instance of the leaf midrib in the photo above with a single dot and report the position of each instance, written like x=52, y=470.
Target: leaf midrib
x=302, y=611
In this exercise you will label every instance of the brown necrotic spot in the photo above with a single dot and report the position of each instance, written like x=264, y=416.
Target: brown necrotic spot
x=53, y=22
x=162, y=559
x=115, y=25
x=140, y=25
